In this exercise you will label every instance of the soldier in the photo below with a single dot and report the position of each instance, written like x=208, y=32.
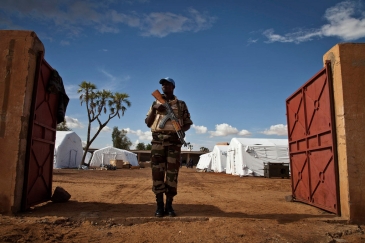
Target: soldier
x=166, y=147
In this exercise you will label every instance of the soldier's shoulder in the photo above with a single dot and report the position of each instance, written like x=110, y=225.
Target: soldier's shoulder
x=182, y=103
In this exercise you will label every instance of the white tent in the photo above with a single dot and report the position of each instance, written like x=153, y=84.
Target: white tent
x=104, y=155
x=219, y=158
x=68, y=150
x=205, y=162
x=246, y=156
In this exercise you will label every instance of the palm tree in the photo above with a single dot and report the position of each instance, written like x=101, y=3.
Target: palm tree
x=99, y=102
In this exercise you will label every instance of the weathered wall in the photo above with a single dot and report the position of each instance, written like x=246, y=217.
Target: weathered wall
x=18, y=58
x=348, y=68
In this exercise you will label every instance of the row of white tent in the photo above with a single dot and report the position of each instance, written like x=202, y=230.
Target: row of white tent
x=68, y=153
x=244, y=156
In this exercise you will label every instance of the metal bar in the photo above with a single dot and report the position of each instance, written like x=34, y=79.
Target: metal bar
x=45, y=126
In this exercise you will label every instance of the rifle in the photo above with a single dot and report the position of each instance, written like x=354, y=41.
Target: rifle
x=170, y=115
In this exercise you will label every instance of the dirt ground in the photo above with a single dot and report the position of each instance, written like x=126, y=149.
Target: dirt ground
x=119, y=206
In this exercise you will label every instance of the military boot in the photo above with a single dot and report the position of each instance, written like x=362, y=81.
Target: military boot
x=160, y=205
x=168, y=209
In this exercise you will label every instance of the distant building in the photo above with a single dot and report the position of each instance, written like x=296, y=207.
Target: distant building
x=145, y=155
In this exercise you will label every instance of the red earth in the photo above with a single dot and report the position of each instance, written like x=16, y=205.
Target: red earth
x=118, y=206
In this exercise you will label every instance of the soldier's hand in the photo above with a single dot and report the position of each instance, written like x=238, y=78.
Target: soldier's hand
x=159, y=107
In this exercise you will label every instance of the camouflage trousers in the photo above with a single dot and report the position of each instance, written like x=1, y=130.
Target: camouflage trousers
x=165, y=164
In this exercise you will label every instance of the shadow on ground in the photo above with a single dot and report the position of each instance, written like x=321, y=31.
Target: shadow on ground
x=100, y=211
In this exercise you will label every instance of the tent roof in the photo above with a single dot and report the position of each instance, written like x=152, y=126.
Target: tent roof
x=111, y=148
x=260, y=141
x=206, y=154
x=221, y=147
x=61, y=135
x=104, y=155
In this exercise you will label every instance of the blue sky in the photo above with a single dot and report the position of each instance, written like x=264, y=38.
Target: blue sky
x=234, y=62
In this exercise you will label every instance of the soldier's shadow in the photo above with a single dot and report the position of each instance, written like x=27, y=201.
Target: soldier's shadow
x=100, y=211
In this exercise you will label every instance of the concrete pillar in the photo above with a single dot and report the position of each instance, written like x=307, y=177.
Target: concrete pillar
x=348, y=69
x=18, y=59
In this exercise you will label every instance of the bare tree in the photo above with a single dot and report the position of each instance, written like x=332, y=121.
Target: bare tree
x=98, y=102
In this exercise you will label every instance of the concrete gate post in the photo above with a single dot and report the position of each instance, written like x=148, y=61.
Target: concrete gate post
x=348, y=69
x=19, y=51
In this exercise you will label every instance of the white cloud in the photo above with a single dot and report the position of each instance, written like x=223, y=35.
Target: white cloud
x=134, y=145
x=71, y=91
x=163, y=24
x=295, y=37
x=104, y=28
x=109, y=75
x=141, y=135
x=200, y=129
x=106, y=129
x=64, y=43
x=342, y=23
x=73, y=122
x=279, y=129
x=251, y=41
x=131, y=20
x=224, y=129
x=113, y=82
x=244, y=133
x=73, y=17
x=201, y=21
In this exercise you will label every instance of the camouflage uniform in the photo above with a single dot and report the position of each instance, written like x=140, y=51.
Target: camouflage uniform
x=165, y=155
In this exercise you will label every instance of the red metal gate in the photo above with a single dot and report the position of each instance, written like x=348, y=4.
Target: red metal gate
x=311, y=133
x=41, y=142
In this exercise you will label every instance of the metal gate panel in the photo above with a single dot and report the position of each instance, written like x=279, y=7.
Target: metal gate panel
x=41, y=142
x=297, y=116
x=311, y=134
x=323, y=190
x=300, y=171
x=317, y=96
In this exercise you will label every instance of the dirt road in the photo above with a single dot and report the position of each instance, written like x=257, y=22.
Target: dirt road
x=118, y=206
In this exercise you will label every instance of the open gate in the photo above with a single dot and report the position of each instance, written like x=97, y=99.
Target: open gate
x=312, y=143
x=41, y=140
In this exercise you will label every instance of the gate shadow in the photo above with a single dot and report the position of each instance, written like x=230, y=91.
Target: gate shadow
x=99, y=211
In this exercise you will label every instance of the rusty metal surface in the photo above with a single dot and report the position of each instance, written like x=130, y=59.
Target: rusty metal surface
x=312, y=150
x=41, y=142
